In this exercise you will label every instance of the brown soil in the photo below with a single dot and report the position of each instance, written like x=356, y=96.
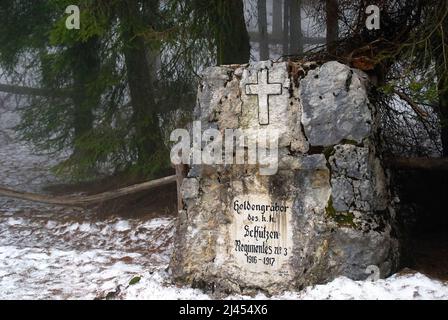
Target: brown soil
x=430, y=255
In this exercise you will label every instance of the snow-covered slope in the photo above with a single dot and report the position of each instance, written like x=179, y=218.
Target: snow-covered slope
x=404, y=287
x=49, y=252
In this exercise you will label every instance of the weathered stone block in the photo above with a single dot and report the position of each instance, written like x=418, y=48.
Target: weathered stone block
x=324, y=213
x=335, y=105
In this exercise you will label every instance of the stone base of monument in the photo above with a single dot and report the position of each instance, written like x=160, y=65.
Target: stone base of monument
x=325, y=212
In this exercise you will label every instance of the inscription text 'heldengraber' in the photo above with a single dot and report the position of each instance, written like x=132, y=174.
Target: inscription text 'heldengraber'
x=260, y=232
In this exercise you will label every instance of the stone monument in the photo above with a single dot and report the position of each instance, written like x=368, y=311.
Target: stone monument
x=324, y=212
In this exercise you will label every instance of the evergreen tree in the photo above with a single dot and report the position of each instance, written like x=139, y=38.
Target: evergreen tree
x=109, y=92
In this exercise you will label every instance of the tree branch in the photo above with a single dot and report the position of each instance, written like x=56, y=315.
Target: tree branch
x=403, y=96
x=29, y=91
x=433, y=164
x=82, y=201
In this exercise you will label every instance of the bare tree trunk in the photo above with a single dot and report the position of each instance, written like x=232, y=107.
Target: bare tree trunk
x=443, y=107
x=263, y=30
x=295, y=27
x=149, y=143
x=440, y=57
x=332, y=18
x=277, y=19
x=86, y=68
x=286, y=27
x=153, y=53
x=233, y=44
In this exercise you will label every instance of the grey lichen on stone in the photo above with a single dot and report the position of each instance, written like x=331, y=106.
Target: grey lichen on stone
x=358, y=181
x=351, y=161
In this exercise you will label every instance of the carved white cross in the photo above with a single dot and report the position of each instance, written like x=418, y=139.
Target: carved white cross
x=263, y=89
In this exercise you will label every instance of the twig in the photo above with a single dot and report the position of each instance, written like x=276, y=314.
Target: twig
x=403, y=96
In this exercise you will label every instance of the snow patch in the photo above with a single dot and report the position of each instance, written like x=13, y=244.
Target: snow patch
x=157, y=286
x=122, y=225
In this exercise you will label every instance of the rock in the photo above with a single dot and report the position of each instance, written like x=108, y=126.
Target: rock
x=189, y=188
x=335, y=105
x=325, y=212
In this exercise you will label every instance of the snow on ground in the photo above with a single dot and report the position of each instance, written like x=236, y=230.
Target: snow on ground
x=50, y=252
x=56, y=260
x=40, y=273
x=402, y=287
x=156, y=286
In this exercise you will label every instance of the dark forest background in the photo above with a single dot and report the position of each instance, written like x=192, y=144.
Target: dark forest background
x=110, y=93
